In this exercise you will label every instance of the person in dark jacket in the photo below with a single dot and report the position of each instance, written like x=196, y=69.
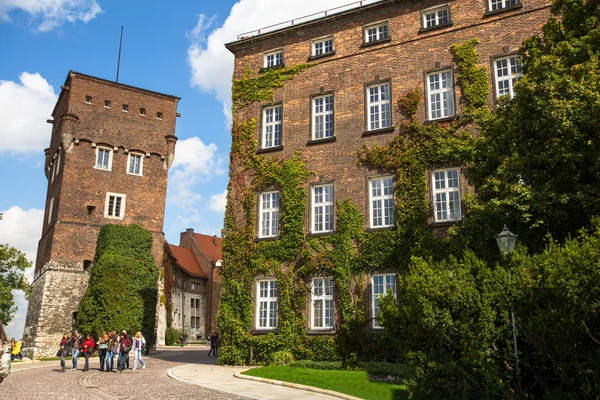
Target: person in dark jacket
x=88, y=349
x=76, y=347
x=103, y=349
x=65, y=349
x=213, y=344
x=124, y=349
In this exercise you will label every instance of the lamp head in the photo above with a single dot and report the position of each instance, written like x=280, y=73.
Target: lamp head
x=506, y=240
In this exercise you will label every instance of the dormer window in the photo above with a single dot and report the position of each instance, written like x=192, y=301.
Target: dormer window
x=273, y=59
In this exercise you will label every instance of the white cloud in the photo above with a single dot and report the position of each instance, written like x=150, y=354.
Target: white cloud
x=218, y=202
x=211, y=63
x=194, y=162
x=24, y=109
x=49, y=14
x=21, y=229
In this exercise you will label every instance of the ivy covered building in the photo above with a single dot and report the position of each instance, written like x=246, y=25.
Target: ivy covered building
x=316, y=215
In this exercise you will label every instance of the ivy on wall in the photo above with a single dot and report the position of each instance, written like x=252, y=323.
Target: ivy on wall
x=348, y=254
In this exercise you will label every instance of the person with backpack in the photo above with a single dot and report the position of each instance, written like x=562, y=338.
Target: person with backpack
x=88, y=348
x=139, y=342
x=113, y=349
x=76, y=347
x=124, y=349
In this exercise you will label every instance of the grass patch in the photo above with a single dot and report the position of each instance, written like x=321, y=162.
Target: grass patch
x=354, y=383
x=53, y=358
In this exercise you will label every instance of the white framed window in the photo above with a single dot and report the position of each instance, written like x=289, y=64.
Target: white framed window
x=106, y=103
x=440, y=94
x=135, y=164
x=382, y=208
x=436, y=17
x=273, y=58
x=103, y=158
x=322, y=208
x=50, y=210
x=323, y=117
x=446, y=195
x=322, y=46
x=495, y=5
x=114, y=206
x=381, y=284
x=266, y=299
x=269, y=214
x=272, y=124
x=507, y=71
x=88, y=99
x=322, y=303
x=379, y=109
x=376, y=32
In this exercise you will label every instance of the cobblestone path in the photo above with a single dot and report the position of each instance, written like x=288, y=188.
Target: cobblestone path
x=49, y=383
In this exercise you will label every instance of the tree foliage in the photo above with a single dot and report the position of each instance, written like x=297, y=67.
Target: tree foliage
x=13, y=264
x=122, y=290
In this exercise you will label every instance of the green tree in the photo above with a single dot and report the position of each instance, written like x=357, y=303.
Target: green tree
x=13, y=264
x=122, y=290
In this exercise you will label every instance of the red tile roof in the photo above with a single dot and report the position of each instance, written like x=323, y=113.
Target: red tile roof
x=210, y=245
x=185, y=260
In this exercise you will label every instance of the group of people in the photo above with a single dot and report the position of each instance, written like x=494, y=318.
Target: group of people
x=110, y=344
x=15, y=349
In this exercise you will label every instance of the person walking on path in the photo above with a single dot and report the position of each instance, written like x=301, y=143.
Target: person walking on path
x=88, y=349
x=103, y=349
x=76, y=347
x=113, y=349
x=124, y=349
x=65, y=349
x=213, y=344
x=5, y=354
x=139, y=342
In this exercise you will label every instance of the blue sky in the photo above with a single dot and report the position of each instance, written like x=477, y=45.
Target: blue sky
x=175, y=48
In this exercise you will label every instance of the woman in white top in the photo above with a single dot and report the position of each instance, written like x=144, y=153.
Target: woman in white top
x=138, y=346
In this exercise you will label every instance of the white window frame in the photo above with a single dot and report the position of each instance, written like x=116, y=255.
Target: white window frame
x=58, y=162
x=107, y=205
x=321, y=111
x=380, y=284
x=319, y=46
x=321, y=292
x=436, y=16
x=441, y=188
x=443, y=94
x=270, y=122
x=378, y=34
x=275, y=61
x=322, y=221
x=109, y=162
x=379, y=105
x=503, y=4
x=515, y=72
x=50, y=210
x=382, y=198
x=131, y=157
x=268, y=227
x=267, y=301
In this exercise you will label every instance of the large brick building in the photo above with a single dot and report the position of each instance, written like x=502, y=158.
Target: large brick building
x=364, y=60
x=108, y=160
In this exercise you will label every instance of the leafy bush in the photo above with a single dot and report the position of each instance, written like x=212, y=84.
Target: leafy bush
x=282, y=357
x=172, y=336
x=325, y=365
x=388, y=372
x=121, y=292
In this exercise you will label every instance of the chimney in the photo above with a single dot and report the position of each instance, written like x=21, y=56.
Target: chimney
x=215, y=240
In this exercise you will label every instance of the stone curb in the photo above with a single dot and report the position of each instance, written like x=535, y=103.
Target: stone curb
x=297, y=386
x=173, y=376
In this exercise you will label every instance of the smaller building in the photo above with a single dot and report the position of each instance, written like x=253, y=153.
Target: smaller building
x=193, y=279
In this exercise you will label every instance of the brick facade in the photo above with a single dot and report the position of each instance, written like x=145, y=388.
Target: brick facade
x=402, y=60
x=91, y=115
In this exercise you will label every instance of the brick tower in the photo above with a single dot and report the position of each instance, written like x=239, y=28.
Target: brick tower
x=108, y=160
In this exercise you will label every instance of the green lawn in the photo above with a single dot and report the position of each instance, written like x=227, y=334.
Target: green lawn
x=354, y=383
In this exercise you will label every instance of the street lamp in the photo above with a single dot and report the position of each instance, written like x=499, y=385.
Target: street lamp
x=506, y=243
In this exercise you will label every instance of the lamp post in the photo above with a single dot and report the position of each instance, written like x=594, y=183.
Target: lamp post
x=506, y=243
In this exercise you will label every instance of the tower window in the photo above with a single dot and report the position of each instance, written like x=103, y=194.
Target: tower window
x=106, y=103
x=88, y=99
x=158, y=115
x=143, y=112
x=115, y=206
x=103, y=158
x=125, y=108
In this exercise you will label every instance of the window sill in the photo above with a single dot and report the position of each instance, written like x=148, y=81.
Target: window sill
x=436, y=27
x=318, y=234
x=376, y=330
x=267, y=239
x=501, y=10
x=443, y=224
x=373, y=43
x=383, y=228
x=446, y=119
x=269, y=149
x=264, y=331
x=321, y=332
x=320, y=141
x=263, y=69
x=311, y=58
x=381, y=131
